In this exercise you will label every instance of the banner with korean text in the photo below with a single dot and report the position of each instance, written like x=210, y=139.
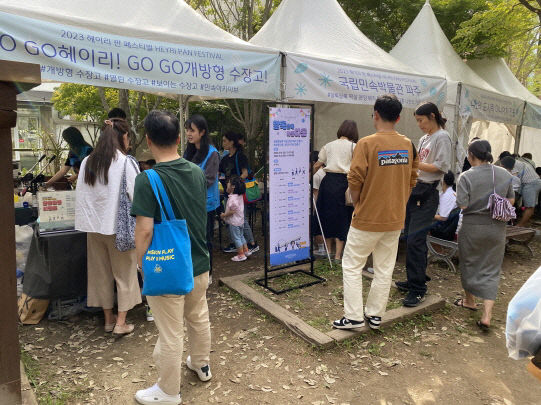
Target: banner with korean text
x=75, y=55
x=289, y=184
x=484, y=105
x=316, y=80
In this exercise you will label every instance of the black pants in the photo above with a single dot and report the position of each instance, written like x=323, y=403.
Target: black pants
x=211, y=216
x=420, y=210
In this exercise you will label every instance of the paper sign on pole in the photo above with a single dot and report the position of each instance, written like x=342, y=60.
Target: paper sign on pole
x=289, y=184
x=316, y=80
x=75, y=55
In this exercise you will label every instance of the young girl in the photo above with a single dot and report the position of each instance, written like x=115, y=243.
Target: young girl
x=234, y=216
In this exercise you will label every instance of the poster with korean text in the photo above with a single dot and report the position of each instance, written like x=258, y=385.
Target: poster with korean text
x=289, y=184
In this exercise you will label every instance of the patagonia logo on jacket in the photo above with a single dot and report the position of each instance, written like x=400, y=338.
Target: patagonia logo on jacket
x=393, y=157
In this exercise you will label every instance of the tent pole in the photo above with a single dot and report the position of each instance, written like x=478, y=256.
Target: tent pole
x=283, y=77
x=457, y=125
x=10, y=377
x=518, y=134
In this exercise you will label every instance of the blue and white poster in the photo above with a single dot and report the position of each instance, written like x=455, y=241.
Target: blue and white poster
x=484, y=105
x=74, y=55
x=289, y=184
x=317, y=80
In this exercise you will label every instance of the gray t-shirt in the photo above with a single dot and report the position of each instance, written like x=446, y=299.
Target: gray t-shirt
x=435, y=149
x=475, y=186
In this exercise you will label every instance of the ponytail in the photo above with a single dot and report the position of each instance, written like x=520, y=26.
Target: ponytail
x=427, y=109
x=482, y=150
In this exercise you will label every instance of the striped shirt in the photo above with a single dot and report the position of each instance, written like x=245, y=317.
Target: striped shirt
x=525, y=172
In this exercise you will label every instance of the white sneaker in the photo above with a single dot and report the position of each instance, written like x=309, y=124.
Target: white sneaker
x=149, y=315
x=155, y=395
x=203, y=373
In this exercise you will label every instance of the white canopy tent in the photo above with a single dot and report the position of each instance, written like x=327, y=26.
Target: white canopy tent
x=425, y=47
x=330, y=62
x=160, y=46
x=497, y=73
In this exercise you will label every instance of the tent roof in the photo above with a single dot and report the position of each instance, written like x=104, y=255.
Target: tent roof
x=496, y=72
x=321, y=29
x=171, y=21
x=425, y=47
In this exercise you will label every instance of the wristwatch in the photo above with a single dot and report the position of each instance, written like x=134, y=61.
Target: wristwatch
x=139, y=268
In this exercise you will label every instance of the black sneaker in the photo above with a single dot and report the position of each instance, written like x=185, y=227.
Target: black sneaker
x=413, y=299
x=346, y=323
x=402, y=286
x=253, y=247
x=373, y=321
x=230, y=249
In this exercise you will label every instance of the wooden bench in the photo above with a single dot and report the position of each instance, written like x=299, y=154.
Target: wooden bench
x=440, y=249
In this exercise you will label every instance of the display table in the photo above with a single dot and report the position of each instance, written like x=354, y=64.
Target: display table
x=56, y=265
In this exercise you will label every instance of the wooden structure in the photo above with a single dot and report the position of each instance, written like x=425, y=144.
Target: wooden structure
x=14, y=79
x=308, y=332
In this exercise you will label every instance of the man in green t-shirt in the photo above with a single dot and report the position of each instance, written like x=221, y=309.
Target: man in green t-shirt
x=186, y=188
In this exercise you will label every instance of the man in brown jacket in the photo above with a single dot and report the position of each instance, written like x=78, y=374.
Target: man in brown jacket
x=382, y=174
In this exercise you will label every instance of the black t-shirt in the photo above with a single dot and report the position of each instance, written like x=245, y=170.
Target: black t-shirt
x=232, y=165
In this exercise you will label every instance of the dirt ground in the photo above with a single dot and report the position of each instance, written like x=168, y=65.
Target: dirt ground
x=440, y=358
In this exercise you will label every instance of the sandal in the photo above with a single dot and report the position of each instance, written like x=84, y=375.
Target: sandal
x=459, y=302
x=484, y=328
x=108, y=328
x=121, y=330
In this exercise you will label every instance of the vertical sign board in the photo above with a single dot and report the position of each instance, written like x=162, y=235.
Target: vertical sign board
x=289, y=182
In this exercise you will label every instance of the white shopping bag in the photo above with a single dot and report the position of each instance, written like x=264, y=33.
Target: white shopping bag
x=523, y=329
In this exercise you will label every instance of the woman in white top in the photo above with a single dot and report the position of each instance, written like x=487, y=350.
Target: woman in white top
x=336, y=156
x=97, y=197
x=447, y=216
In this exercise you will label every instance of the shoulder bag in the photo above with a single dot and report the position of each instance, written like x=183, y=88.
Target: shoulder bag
x=125, y=223
x=167, y=264
x=500, y=207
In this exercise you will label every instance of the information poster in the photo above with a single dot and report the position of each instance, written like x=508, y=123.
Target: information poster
x=289, y=184
x=56, y=210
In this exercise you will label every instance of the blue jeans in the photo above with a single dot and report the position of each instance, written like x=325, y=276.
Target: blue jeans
x=237, y=235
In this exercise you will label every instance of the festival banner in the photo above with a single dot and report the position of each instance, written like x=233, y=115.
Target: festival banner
x=484, y=105
x=315, y=80
x=532, y=116
x=75, y=55
x=289, y=184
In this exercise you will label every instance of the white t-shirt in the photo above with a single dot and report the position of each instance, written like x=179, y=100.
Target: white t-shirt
x=96, y=206
x=337, y=156
x=447, y=202
x=317, y=178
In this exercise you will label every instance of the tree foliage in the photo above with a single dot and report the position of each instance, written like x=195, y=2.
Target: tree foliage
x=385, y=21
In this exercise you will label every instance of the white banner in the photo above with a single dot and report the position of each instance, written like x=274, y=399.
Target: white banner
x=74, y=55
x=532, y=116
x=484, y=105
x=315, y=80
x=289, y=184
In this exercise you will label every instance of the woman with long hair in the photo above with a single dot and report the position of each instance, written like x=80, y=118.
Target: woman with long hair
x=79, y=149
x=201, y=152
x=97, y=197
x=336, y=157
x=435, y=155
x=235, y=163
x=481, y=239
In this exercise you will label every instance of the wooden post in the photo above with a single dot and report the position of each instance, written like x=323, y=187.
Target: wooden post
x=10, y=377
x=15, y=78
